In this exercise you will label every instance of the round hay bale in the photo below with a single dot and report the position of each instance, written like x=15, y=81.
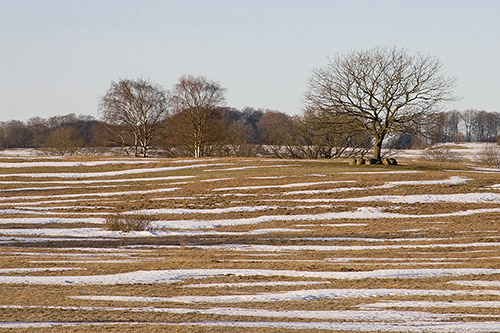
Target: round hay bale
x=393, y=161
x=386, y=161
x=360, y=161
x=352, y=161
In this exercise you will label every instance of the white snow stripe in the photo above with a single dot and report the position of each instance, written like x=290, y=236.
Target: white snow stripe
x=432, y=304
x=294, y=295
x=477, y=283
x=108, y=173
x=98, y=194
x=431, y=198
x=98, y=232
x=251, y=167
x=201, y=211
x=370, y=315
x=171, y=276
x=281, y=248
x=369, y=213
x=92, y=181
x=454, y=180
x=282, y=186
x=38, y=269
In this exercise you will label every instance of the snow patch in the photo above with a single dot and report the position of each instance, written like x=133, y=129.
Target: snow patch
x=171, y=276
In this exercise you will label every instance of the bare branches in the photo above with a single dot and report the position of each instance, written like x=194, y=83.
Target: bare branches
x=138, y=106
x=197, y=102
x=382, y=90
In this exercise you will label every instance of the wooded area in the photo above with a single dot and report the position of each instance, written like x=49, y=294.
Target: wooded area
x=360, y=102
x=246, y=132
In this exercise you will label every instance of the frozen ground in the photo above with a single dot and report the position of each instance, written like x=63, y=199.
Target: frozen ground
x=255, y=244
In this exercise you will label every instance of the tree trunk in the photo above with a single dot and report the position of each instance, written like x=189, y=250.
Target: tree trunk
x=377, y=148
x=197, y=150
x=136, y=146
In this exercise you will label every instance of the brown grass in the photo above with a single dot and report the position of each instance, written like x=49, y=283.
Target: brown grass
x=198, y=194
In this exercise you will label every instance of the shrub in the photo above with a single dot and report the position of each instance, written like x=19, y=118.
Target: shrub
x=441, y=154
x=490, y=155
x=127, y=223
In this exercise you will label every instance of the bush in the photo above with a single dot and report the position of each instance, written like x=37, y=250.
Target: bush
x=490, y=155
x=441, y=154
x=128, y=223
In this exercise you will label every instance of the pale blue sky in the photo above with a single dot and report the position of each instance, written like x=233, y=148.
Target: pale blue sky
x=59, y=56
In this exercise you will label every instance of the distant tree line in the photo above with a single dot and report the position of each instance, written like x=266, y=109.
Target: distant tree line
x=37, y=132
x=361, y=101
x=227, y=132
x=454, y=126
x=468, y=126
x=245, y=132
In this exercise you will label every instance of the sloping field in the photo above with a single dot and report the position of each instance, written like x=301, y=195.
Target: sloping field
x=248, y=245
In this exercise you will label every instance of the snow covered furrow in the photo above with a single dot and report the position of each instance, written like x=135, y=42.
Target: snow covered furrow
x=289, y=296
x=172, y=276
x=107, y=173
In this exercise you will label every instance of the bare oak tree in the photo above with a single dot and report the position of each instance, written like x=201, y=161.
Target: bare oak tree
x=135, y=109
x=197, y=102
x=381, y=90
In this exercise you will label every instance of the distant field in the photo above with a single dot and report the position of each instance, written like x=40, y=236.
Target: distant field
x=248, y=245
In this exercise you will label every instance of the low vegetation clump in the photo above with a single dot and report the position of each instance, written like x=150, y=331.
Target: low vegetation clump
x=441, y=154
x=490, y=156
x=128, y=223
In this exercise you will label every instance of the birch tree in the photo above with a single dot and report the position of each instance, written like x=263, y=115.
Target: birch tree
x=197, y=102
x=135, y=109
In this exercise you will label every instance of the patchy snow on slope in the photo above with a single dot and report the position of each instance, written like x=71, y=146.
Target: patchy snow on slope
x=98, y=194
x=38, y=269
x=254, y=284
x=93, y=181
x=454, y=180
x=282, y=186
x=171, y=276
x=107, y=173
x=98, y=233
x=294, y=295
x=380, y=172
x=251, y=167
x=367, y=239
x=215, y=180
x=368, y=213
x=239, y=209
x=283, y=248
x=477, y=283
x=416, y=326
x=431, y=198
x=370, y=315
x=432, y=304
x=50, y=220
x=58, y=164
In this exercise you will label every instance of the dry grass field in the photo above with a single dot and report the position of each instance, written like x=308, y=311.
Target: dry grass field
x=248, y=245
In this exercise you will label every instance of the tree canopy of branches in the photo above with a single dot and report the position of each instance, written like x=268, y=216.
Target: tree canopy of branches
x=135, y=110
x=332, y=137
x=381, y=90
x=197, y=104
x=64, y=140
